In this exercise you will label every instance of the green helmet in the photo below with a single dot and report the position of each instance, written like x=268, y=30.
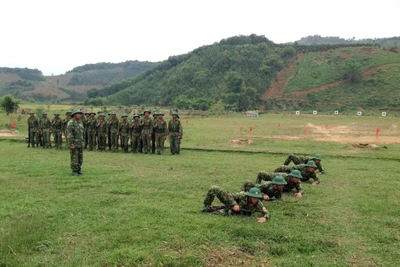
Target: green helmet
x=102, y=115
x=254, y=192
x=92, y=112
x=44, y=113
x=156, y=113
x=317, y=157
x=56, y=113
x=112, y=113
x=175, y=114
x=76, y=111
x=124, y=115
x=311, y=163
x=68, y=112
x=160, y=113
x=31, y=112
x=136, y=115
x=147, y=110
x=279, y=180
x=296, y=174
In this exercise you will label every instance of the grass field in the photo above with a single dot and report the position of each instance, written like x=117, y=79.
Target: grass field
x=137, y=210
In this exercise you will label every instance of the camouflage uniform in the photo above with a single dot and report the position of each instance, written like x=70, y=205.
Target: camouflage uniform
x=75, y=138
x=56, y=126
x=268, y=176
x=136, y=131
x=147, y=128
x=92, y=131
x=113, y=125
x=153, y=134
x=303, y=170
x=65, y=123
x=229, y=200
x=302, y=159
x=124, y=133
x=102, y=132
x=175, y=134
x=267, y=188
x=161, y=130
x=85, y=121
x=33, y=128
x=44, y=126
x=291, y=185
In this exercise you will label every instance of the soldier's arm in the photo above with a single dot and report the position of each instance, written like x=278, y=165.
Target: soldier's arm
x=263, y=211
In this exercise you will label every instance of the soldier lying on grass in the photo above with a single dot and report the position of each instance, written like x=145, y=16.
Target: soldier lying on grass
x=242, y=203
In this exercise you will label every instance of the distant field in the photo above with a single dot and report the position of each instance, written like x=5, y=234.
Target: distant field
x=144, y=210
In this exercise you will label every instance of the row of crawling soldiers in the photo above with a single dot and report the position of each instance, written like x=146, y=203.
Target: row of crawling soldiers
x=268, y=187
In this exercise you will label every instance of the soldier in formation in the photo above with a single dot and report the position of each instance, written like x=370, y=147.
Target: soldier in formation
x=33, y=130
x=307, y=171
x=44, y=129
x=75, y=142
x=136, y=132
x=147, y=129
x=56, y=126
x=304, y=159
x=124, y=132
x=175, y=134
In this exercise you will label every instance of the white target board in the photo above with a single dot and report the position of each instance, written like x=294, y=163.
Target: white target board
x=336, y=112
x=384, y=114
x=297, y=112
x=314, y=112
x=359, y=113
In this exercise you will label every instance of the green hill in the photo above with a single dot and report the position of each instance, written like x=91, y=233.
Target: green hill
x=341, y=79
x=236, y=70
x=392, y=42
x=30, y=84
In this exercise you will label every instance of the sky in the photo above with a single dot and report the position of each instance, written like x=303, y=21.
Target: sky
x=55, y=36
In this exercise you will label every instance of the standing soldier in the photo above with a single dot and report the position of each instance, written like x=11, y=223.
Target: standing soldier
x=175, y=133
x=92, y=130
x=56, y=125
x=102, y=132
x=153, y=133
x=45, y=125
x=85, y=121
x=33, y=128
x=75, y=142
x=147, y=128
x=124, y=132
x=136, y=131
x=65, y=122
x=113, y=125
x=161, y=129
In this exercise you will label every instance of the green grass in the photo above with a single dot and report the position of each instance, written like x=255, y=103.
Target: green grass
x=137, y=210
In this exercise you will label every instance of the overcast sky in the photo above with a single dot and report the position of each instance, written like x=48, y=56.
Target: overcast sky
x=55, y=36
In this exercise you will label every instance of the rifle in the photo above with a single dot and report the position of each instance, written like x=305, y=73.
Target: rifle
x=228, y=209
x=274, y=199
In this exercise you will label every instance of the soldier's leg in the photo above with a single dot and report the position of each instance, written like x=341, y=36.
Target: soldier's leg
x=60, y=139
x=178, y=146
x=263, y=176
x=284, y=169
x=32, y=138
x=162, y=142
x=80, y=158
x=144, y=139
x=292, y=157
x=74, y=161
x=218, y=192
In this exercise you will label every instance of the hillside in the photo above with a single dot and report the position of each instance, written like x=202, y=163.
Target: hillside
x=30, y=84
x=236, y=71
x=338, y=79
x=392, y=42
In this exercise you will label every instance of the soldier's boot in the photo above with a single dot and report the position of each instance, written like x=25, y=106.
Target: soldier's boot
x=206, y=208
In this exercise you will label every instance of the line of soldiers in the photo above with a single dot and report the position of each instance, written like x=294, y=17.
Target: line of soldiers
x=40, y=130
x=147, y=135
x=267, y=187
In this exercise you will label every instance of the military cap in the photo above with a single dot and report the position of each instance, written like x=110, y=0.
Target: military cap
x=124, y=115
x=296, y=174
x=44, y=113
x=161, y=113
x=156, y=113
x=31, y=112
x=278, y=180
x=136, y=115
x=146, y=110
x=317, y=157
x=254, y=192
x=311, y=163
x=92, y=112
x=102, y=115
x=112, y=113
x=175, y=114
x=56, y=113
x=76, y=111
x=69, y=111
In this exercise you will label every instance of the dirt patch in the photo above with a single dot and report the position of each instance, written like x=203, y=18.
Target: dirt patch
x=240, y=142
x=8, y=133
